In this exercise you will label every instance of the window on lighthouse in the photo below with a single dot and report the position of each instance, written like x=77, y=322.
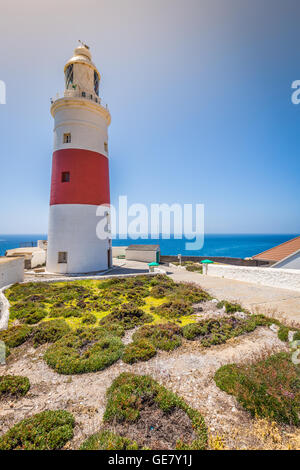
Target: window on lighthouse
x=96, y=83
x=62, y=257
x=69, y=75
x=65, y=177
x=67, y=138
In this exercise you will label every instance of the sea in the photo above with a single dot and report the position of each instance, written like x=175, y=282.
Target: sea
x=233, y=245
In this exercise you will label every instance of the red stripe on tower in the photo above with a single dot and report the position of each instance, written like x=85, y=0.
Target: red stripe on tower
x=79, y=177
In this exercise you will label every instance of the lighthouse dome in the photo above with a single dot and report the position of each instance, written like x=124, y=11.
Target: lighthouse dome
x=80, y=72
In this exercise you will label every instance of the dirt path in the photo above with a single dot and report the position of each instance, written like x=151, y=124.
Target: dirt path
x=188, y=371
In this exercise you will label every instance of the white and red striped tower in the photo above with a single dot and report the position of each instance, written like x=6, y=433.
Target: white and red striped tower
x=80, y=171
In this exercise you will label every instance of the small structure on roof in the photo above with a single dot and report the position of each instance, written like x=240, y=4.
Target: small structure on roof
x=143, y=253
x=286, y=255
x=33, y=256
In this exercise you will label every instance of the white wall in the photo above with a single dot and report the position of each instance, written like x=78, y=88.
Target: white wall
x=38, y=258
x=273, y=277
x=145, y=256
x=118, y=251
x=72, y=228
x=11, y=271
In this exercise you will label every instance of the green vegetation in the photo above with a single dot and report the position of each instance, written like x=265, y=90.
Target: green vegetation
x=49, y=430
x=128, y=395
x=89, y=319
x=296, y=336
x=139, y=350
x=212, y=331
x=128, y=315
x=107, y=440
x=166, y=336
x=13, y=386
x=283, y=333
x=50, y=331
x=230, y=307
x=15, y=335
x=86, y=350
x=269, y=388
x=28, y=312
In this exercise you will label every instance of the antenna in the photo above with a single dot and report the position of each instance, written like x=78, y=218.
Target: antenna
x=83, y=44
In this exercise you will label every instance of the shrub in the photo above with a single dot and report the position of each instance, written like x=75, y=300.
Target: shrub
x=166, y=336
x=296, y=336
x=13, y=386
x=107, y=440
x=30, y=312
x=212, y=331
x=15, y=335
x=283, y=333
x=86, y=350
x=48, y=430
x=66, y=312
x=50, y=331
x=268, y=388
x=139, y=350
x=194, y=268
x=128, y=315
x=128, y=393
x=174, y=309
x=89, y=319
x=229, y=306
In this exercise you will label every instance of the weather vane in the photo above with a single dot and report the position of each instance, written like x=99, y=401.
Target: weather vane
x=84, y=45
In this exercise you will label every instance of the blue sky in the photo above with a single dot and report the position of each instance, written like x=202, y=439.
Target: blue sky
x=200, y=97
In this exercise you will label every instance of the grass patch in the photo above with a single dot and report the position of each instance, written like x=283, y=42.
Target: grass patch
x=107, y=440
x=269, y=388
x=49, y=430
x=165, y=336
x=13, y=386
x=138, y=350
x=128, y=394
x=86, y=350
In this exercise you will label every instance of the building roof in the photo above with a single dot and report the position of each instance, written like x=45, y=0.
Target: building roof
x=280, y=252
x=143, y=248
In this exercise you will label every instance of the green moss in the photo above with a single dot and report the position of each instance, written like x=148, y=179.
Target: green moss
x=49, y=430
x=127, y=394
x=268, y=388
x=86, y=350
x=139, y=350
x=15, y=335
x=107, y=440
x=13, y=386
x=50, y=331
x=165, y=336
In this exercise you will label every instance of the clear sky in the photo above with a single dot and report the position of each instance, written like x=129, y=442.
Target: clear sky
x=200, y=97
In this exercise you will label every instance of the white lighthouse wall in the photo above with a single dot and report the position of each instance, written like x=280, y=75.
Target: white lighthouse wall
x=88, y=129
x=72, y=229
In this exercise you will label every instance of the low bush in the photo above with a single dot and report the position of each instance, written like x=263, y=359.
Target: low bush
x=283, y=333
x=66, y=312
x=107, y=440
x=194, y=268
x=211, y=332
x=229, y=306
x=86, y=350
x=49, y=430
x=89, y=319
x=269, y=388
x=139, y=350
x=50, y=331
x=15, y=335
x=296, y=336
x=128, y=394
x=166, y=336
x=128, y=315
x=174, y=309
x=13, y=386
x=30, y=312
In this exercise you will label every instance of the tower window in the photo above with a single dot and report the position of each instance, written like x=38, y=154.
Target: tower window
x=65, y=177
x=96, y=83
x=67, y=138
x=83, y=94
x=106, y=147
x=69, y=75
x=62, y=257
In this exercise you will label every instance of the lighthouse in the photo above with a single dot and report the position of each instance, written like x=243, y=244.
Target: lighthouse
x=80, y=172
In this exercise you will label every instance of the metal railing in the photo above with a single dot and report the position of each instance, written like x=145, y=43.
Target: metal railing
x=80, y=94
x=27, y=244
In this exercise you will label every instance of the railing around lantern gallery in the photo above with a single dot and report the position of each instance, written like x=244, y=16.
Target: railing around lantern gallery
x=79, y=94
